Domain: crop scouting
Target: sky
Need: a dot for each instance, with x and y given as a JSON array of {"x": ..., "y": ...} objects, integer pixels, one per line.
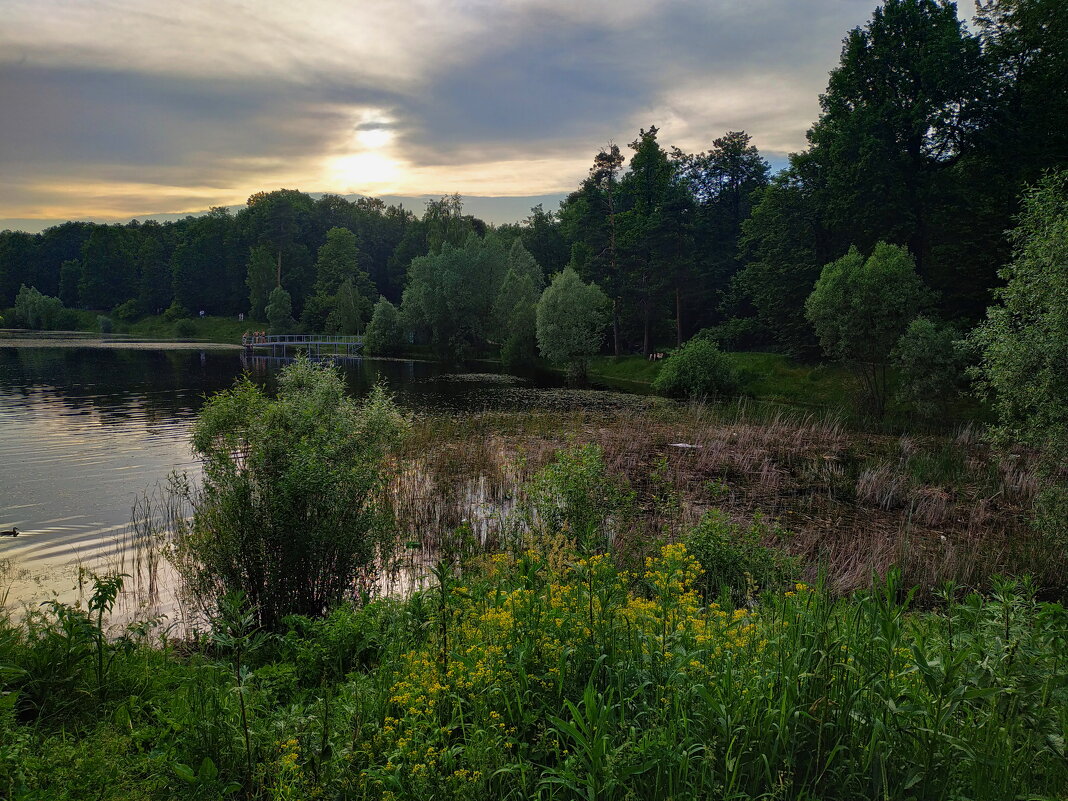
[{"x": 116, "y": 109}]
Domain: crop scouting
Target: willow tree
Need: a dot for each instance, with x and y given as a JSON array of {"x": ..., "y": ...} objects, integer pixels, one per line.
[
  {"x": 860, "y": 307},
  {"x": 1023, "y": 345},
  {"x": 290, "y": 509},
  {"x": 571, "y": 320}
]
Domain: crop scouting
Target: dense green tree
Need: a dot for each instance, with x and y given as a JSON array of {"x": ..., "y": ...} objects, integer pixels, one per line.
[
  {"x": 155, "y": 285},
  {"x": 722, "y": 182},
  {"x": 54, "y": 246},
  {"x": 521, "y": 268},
  {"x": 514, "y": 310},
  {"x": 290, "y": 508},
  {"x": 589, "y": 220},
  {"x": 36, "y": 310},
  {"x": 384, "y": 334},
  {"x": 571, "y": 319},
  {"x": 1023, "y": 344},
  {"x": 70, "y": 273},
  {"x": 543, "y": 238},
  {"x": 109, "y": 272},
  {"x": 652, "y": 230},
  {"x": 261, "y": 279},
  {"x": 450, "y": 295},
  {"x": 1025, "y": 44},
  {"x": 284, "y": 220},
  {"x": 338, "y": 261},
  {"x": 317, "y": 310},
  {"x": 350, "y": 310},
  {"x": 930, "y": 367},
  {"x": 894, "y": 117},
  {"x": 207, "y": 272},
  {"x": 780, "y": 244},
  {"x": 445, "y": 223},
  {"x": 859, "y": 309},
  {"x": 280, "y": 312},
  {"x": 1021, "y": 130},
  {"x": 18, "y": 251}
]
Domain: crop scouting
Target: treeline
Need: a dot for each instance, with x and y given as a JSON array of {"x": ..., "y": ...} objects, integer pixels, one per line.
[{"x": 929, "y": 133}]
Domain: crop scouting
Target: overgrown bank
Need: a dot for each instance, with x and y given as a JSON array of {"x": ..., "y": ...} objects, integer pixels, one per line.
[
  {"x": 635, "y": 599},
  {"x": 550, "y": 673}
]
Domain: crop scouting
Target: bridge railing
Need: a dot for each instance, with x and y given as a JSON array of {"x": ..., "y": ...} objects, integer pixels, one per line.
[{"x": 301, "y": 339}]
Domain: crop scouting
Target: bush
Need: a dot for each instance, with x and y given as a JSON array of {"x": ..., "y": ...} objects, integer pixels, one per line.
[
  {"x": 696, "y": 370},
  {"x": 929, "y": 366},
  {"x": 290, "y": 510},
  {"x": 105, "y": 324},
  {"x": 36, "y": 310},
  {"x": 128, "y": 312},
  {"x": 574, "y": 494},
  {"x": 735, "y": 559},
  {"x": 1023, "y": 347},
  {"x": 383, "y": 332},
  {"x": 185, "y": 328},
  {"x": 176, "y": 311}
]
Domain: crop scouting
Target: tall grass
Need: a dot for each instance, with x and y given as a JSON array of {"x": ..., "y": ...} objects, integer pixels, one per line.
[
  {"x": 941, "y": 507},
  {"x": 556, "y": 675}
]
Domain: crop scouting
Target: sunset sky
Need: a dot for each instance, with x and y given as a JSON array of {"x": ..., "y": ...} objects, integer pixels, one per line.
[{"x": 116, "y": 109}]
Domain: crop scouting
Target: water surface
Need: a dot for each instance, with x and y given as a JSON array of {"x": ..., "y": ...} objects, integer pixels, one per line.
[{"x": 85, "y": 430}]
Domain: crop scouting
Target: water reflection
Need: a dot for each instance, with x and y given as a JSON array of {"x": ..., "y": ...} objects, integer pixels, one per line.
[{"x": 85, "y": 431}]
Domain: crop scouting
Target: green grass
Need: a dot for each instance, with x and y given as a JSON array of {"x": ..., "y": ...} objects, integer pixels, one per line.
[
  {"x": 212, "y": 329},
  {"x": 631, "y": 369},
  {"x": 551, "y": 675},
  {"x": 764, "y": 376},
  {"x": 774, "y": 377}
]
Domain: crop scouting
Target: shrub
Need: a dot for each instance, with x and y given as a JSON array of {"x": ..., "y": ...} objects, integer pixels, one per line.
[
  {"x": 1023, "y": 347},
  {"x": 105, "y": 324},
  {"x": 36, "y": 310},
  {"x": 290, "y": 510},
  {"x": 128, "y": 311},
  {"x": 929, "y": 366},
  {"x": 696, "y": 370},
  {"x": 176, "y": 311},
  {"x": 384, "y": 331},
  {"x": 185, "y": 328},
  {"x": 575, "y": 495},
  {"x": 735, "y": 559}
]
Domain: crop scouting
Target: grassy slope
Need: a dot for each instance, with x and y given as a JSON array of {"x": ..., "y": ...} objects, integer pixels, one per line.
[
  {"x": 764, "y": 376},
  {"x": 214, "y": 329}
]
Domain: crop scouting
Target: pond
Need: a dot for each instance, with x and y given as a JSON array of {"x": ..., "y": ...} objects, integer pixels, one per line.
[{"x": 86, "y": 427}]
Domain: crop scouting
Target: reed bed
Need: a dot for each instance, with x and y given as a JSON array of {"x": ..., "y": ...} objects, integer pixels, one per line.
[{"x": 942, "y": 508}]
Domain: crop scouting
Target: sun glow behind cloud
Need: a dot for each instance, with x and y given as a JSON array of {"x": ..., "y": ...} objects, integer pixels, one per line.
[{"x": 137, "y": 107}]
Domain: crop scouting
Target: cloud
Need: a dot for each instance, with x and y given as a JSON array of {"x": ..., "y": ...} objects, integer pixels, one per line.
[{"x": 132, "y": 107}]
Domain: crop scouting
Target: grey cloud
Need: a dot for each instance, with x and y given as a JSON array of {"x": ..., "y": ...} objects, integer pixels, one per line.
[
  {"x": 471, "y": 84},
  {"x": 150, "y": 120}
]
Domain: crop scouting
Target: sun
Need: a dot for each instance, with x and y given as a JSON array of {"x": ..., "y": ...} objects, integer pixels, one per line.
[
  {"x": 364, "y": 173},
  {"x": 374, "y": 138}
]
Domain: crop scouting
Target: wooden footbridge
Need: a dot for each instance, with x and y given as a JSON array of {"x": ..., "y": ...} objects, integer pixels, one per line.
[{"x": 314, "y": 345}]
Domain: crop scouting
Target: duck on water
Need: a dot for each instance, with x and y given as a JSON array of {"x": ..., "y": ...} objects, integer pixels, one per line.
[{"x": 10, "y": 532}]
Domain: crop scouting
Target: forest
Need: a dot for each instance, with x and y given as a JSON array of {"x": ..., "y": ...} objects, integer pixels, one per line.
[{"x": 930, "y": 132}]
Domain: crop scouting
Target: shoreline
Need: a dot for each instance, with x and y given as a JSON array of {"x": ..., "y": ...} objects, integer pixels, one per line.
[{"x": 15, "y": 338}]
